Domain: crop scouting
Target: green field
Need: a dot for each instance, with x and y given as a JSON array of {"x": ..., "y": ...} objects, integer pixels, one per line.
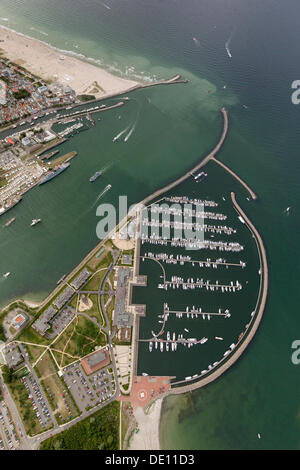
[
  {"x": 94, "y": 311},
  {"x": 78, "y": 340},
  {"x": 98, "y": 432}
]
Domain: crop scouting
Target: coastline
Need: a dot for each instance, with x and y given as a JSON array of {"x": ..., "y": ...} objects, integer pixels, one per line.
[
  {"x": 149, "y": 426},
  {"x": 52, "y": 65}
]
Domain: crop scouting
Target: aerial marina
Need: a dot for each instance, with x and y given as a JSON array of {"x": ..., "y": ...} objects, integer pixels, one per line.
[
  {"x": 204, "y": 272},
  {"x": 184, "y": 282},
  {"x": 149, "y": 290}
]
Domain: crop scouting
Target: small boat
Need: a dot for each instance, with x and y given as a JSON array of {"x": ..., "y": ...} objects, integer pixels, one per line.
[
  {"x": 144, "y": 374},
  {"x": 6, "y": 275},
  {"x": 203, "y": 340},
  {"x": 219, "y": 338},
  {"x": 10, "y": 222},
  {"x": 34, "y": 222},
  {"x": 185, "y": 329},
  {"x": 95, "y": 176}
]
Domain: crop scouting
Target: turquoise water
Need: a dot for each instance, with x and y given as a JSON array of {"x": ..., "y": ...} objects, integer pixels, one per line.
[{"x": 260, "y": 394}]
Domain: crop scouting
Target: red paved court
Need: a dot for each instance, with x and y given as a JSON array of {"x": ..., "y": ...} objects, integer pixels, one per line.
[{"x": 144, "y": 389}]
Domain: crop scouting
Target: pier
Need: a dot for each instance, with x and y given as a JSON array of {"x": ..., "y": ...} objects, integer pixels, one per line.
[
  {"x": 169, "y": 259},
  {"x": 257, "y": 315},
  {"x": 240, "y": 180},
  {"x": 235, "y": 350}
]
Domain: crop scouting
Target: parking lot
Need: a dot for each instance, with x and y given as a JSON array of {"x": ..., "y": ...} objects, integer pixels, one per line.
[
  {"x": 9, "y": 439},
  {"x": 88, "y": 391},
  {"x": 39, "y": 403}
]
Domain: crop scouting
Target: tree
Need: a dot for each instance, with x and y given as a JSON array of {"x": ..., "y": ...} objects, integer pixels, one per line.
[{"x": 7, "y": 374}]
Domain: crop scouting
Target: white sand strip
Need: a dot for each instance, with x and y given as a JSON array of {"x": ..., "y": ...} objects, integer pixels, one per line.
[
  {"x": 148, "y": 436},
  {"x": 54, "y": 66}
]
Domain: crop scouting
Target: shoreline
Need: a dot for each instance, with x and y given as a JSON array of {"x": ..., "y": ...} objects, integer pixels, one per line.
[
  {"x": 148, "y": 437},
  {"x": 42, "y": 59}
]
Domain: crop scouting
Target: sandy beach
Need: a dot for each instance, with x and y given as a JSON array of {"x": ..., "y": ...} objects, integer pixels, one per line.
[
  {"x": 148, "y": 436},
  {"x": 55, "y": 66}
]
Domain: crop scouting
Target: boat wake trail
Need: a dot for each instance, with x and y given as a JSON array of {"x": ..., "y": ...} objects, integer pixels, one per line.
[
  {"x": 106, "y": 6},
  {"x": 117, "y": 137},
  {"x": 227, "y": 44},
  {"x": 107, "y": 167},
  {"x": 134, "y": 126},
  {"x": 130, "y": 132},
  {"x": 108, "y": 187}
]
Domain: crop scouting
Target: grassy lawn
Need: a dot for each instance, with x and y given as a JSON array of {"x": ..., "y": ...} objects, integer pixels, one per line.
[
  {"x": 95, "y": 281},
  {"x": 109, "y": 311},
  {"x": 103, "y": 261},
  {"x": 34, "y": 352},
  {"x": 80, "y": 339},
  {"x": 31, "y": 336},
  {"x": 74, "y": 302},
  {"x": 94, "y": 312}
]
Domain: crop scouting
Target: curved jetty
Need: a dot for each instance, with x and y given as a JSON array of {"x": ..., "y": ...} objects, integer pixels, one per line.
[
  {"x": 236, "y": 350},
  {"x": 240, "y": 180},
  {"x": 203, "y": 162}
]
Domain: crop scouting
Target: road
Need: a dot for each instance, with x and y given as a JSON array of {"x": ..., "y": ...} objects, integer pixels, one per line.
[
  {"x": 36, "y": 441},
  {"x": 31, "y": 443}
]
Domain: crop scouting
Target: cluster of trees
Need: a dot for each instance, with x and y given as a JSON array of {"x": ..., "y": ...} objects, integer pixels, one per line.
[
  {"x": 86, "y": 97},
  {"x": 19, "y": 95},
  {"x": 7, "y": 374},
  {"x": 2, "y": 335},
  {"x": 98, "y": 432}
]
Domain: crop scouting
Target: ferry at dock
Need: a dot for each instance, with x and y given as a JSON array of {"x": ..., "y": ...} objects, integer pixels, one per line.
[{"x": 57, "y": 171}]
